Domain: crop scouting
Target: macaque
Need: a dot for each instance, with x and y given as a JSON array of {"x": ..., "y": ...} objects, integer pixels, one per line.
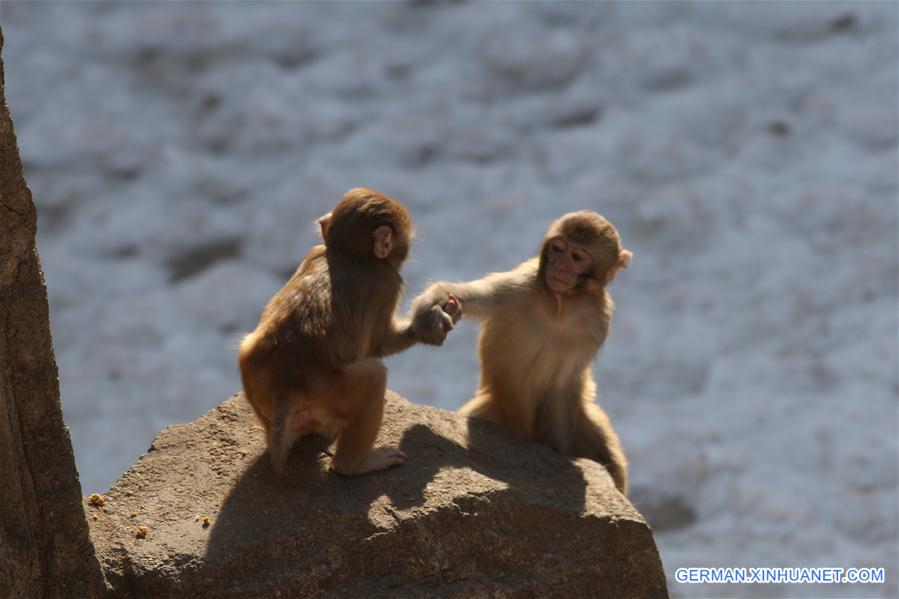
[
  {"x": 313, "y": 366},
  {"x": 542, "y": 324}
]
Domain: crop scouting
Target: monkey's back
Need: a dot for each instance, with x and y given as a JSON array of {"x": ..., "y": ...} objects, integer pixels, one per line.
[{"x": 322, "y": 316}]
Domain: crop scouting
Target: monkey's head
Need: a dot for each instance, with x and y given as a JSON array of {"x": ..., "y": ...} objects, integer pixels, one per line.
[
  {"x": 581, "y": 251},
  {"x": 367, "y": 224}
]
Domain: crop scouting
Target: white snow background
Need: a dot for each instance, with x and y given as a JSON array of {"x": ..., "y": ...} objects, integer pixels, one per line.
[{"x": 178, "y": 154}]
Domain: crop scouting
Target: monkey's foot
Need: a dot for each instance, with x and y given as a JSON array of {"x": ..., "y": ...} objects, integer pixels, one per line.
[{"x": 380, "y": 458}]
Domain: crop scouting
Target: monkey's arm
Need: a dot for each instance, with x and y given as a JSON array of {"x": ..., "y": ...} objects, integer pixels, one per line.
[
  {"x": 480, "y": 297},
  {"x": 398, "y": 337},
  {"x": 428, "y": 326}
]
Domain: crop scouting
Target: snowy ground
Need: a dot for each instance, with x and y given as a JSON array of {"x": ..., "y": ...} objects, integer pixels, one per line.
[{"x": 178, "y": 154}]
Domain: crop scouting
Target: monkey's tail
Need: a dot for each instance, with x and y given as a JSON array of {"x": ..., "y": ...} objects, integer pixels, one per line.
[
  {"x": 280, "y": 436},
  {"x": 248, "y": 365}
]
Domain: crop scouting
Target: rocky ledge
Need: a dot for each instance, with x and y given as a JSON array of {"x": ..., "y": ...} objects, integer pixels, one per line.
[{"x": 474, "y": 512}]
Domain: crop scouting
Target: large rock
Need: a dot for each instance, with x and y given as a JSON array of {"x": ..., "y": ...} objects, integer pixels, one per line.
[
  {"x": 474, "y": 512},
  {"x": 44, "y": 546}
]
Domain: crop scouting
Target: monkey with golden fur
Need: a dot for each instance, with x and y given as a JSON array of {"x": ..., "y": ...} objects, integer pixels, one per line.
[
  {"x": 542, "y": 324},
  {"x": 313, "y": 366}
]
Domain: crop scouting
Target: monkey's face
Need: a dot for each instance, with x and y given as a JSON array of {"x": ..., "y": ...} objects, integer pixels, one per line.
[{"x": 566, "y": 262}]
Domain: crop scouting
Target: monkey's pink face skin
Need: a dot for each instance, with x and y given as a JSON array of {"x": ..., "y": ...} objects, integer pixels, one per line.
[{"x": 565, "y": 262}]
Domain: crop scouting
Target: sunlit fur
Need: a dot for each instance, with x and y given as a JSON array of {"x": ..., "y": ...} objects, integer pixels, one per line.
[
  {"x": 312, "y": 365},
  {"x": 536, "y": 347}
]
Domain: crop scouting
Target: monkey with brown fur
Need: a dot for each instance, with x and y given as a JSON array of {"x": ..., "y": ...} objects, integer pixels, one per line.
[
  {"x": 312, "y": 366},
  {"x": 542, "y": 324}
]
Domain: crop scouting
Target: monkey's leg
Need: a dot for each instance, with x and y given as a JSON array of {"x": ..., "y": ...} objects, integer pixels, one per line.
[
  {"x": 481, "y": 406},
  {"x": 365, "y": 382},
  {"x": 496, "y": 401},
  {"x": 594, "y": 438}
]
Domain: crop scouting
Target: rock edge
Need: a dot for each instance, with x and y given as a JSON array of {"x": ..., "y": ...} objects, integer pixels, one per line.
[{"x": 474, "y": 512}]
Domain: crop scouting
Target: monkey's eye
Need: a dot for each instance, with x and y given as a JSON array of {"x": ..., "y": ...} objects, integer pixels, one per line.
[
  {"x": 557, "y": 247},
  {"x": 580, "y": 257}
]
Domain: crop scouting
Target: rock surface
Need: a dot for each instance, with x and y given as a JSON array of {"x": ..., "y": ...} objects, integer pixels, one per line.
[
  {"x": 44, "y": 546},
  {"x": 474, "y": 512}
]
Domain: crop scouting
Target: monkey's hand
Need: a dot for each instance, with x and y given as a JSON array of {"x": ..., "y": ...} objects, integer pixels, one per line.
[
  {"x": 433, "y": 315},
  {"x": 452, "y": 308}
]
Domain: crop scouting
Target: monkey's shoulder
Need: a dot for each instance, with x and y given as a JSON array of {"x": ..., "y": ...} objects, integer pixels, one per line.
[
  {"x": 525, "y": 274},
  {"x": 313, "y": 261},
  {"x": 301, "y": 306},
  {"x": 509, "y": 289}
]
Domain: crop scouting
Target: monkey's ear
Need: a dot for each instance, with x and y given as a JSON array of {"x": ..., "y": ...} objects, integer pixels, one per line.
[
  {"x": 323, "y": 223},
  {"x": 383, "y": 237},
  {"x": 624, "y": 258}
]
